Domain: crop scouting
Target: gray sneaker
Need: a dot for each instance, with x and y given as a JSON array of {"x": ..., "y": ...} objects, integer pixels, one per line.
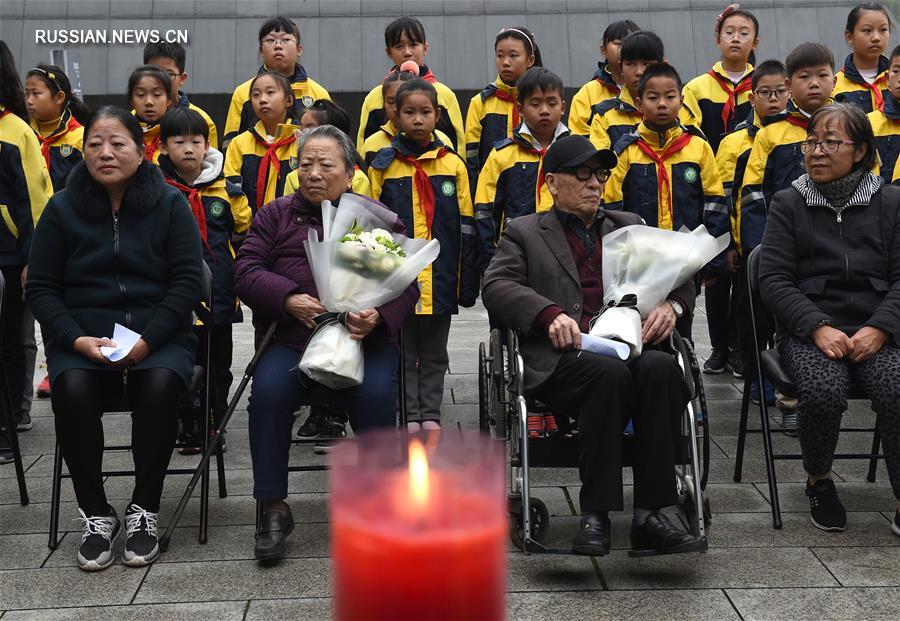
[
  {"x": 98, "y": 539},
  {"x": 142, "y": 544},
  {"x": 789, "y": 422},
  {"x": 23, "y": 421}
]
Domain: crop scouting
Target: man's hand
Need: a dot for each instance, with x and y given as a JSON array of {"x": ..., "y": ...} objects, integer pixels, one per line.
[
  {"x": 867, "y": 342},
  {"x": 732, "y": 260},
  {"x": 361, "y": 323},
  {"x": 659, "y": 324},
  {"x": 833, "y": 343},
  {"x": 303, "y": 308},
  {"x": 564, "y": 333},
  {"x": 89, "y": 347}
]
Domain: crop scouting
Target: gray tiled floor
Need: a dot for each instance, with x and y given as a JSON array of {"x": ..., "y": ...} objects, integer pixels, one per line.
[{"x": 750, "y": 572}]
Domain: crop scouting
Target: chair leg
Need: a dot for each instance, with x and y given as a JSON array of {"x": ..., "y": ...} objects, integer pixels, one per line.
[
  {"x": 204, "y": 480},
  {"x": 14, "y": 441},
  {"x": 53, "y": 541},
  {"x": 770, "y": 460},
  {"x": 873, "y": 461},
  {"x": 220, "y": 471},
  {"x": 742, "y": 430}
]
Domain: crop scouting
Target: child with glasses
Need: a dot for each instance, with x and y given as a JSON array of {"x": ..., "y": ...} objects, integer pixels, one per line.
[
  {"x": 886, "y": 122},
  {"x": 281, "y": 50}
]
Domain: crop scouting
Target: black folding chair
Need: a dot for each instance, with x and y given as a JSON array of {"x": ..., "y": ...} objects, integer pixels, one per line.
[
  {"x": 767, "y": 366},
  {"x": 119, "y": 403},
  {"x": 9, "y": 415}
]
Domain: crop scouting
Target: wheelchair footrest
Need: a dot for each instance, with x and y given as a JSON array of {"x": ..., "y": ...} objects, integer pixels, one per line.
[{"x": 701, "y": 547}]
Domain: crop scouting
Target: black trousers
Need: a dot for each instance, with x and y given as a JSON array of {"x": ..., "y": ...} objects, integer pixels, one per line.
[
  {"x": 12, "y": 353},
  {"x": 80, "y": 396},
  {"x": 220, "y": 368},
  {"x": 721, "y": 311},
  {"x": 603, "y": 394}
]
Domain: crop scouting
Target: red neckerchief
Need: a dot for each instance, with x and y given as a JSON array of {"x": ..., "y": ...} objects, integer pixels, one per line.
[
  {"x": 151, "y": 147},
  {"x": 52, "y": 139},
  {"x": 732, "y": 90},
  {"x": 269, "y": 159},
  {"x": 798, "y": 121},
  {"x": 504, "y": 96},
  {"x": 876, "y": 90},
  {"x": 196, "y": 203},
  {"x": 540, "y": 180},
  {"x": 662, "y": 177},
  {"x": 423, "y": 185}
]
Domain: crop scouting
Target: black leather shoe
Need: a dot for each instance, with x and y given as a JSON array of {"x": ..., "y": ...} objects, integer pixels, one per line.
[
  {"x": 274, "y": 528},
  {"x": 657, "y": 535},
  {"x": 593, "y": 537}
]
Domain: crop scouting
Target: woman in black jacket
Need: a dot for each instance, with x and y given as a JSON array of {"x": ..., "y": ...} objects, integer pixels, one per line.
[
  {"x": 117, "y": 246},
  {"x": 830, "y": 273}
]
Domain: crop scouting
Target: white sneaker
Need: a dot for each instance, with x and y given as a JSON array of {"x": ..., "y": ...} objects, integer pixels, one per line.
[
  {"x": 142, "y": 543},
  {"x": 97, "y": 541}
]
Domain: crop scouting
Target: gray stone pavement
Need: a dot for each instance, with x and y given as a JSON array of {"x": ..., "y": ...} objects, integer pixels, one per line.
[{"x": 750, "y": 572}]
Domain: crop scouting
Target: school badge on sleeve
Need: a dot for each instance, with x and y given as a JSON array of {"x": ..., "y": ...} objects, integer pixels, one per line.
[
  {"x": 448, "y": 188},
  {"x": 690, "y": 174},
  {"x": 293, "y": 162},
  {"x": 65, "y": 150},
  {"x": 217, "y": 209},
  {"x": 307, "y": 101}
]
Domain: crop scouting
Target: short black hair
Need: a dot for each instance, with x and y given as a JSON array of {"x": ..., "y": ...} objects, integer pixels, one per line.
[
  {"x": 765, "y": 69},
  {"x": 895, "y": 52},
  {"x": 151, "y": 71},
  {"x": 283, "y": 83},
  {"x": 857, "y": 125},
  {"x": 405, "y": 25},
  {"x": 329, "y": 113},
  {"x": 128, "y": 120},
  {"x": 856, "y": 12},
  {"x": 538, "y": 78},
  {"x": 642, "y": 45},
  {"x": 658, "y": 70},
  {"x": 413, "y": 86},
  {"x": 278, "y": 24},
  {"x": 617, "y": 31},
  {"x": 164, "y": 49},
  {"x": 182, "y": 121},
  {"x": 806, "y": 55}
]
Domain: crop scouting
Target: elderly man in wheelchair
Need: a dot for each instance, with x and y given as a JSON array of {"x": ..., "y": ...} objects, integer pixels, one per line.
[{"x": 545, "y": 281}]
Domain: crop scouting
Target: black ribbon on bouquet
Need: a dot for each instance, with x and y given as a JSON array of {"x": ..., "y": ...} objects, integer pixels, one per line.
[
  {"x": 322, "y": 320},
  {"x": 627, "y": 301}
]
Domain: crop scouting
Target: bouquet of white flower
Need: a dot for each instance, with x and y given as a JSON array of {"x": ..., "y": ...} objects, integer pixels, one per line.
[
  {"x": 359, "y": 264},
  {"x": 647, "y": 263}
]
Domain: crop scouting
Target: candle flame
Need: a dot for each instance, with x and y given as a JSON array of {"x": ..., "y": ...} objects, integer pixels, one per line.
[{"x": 418, "y": 473}]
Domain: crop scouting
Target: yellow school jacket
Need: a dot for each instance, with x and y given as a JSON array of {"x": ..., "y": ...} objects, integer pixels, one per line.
[
  {"x": 717, "y": 104},
  {"x": 613, "y": 118},
  {"x": 851, "y": 87},
  {"x": 240, "y": 113},
  {"x": 246, "y": 154},
  {"x": 886, "y": 127},
  {"x": 490, "y": 118},
  {"x": 151, "y": 141},
  {"x": 61, "y": 148},
  {"x": 359, "y": 185},
  {"x": 382, "y": 138},
  {"x": 372, "y": 116},
  {"x": 452, "y": 279},
  {"x": 25, "y": 187},
  {"x": 601, "y": 87}
]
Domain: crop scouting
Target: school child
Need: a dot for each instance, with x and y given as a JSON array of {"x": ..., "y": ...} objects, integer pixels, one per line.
[
  {"x": 172, "y": 58},
  {"x": 492, "y": 113},
  {"x": 281, "y": 50},
  {"x": 426, "y": 184},
  {"x": 613, "y": 118},
  {"x": 511, "y": 184},
  {"x": 25, "y": 188},
  {"x": 404, "y": 40},
  {"x": 326, "y": 112},
  {"x": 886, "y": 122},
  {"x": 190, "y": 164},
  {"x": 718, "y": 99},
  {"x": 667, "y": 172},
  {"x": 775, "y": 160},
  {"x": 606, "y": 81},
  {"x": 863, "y": 79},
  {"x": 150, "y": 97},
  {"x": 260, "y": 158},
  {"x": 56, "y": 116},
  {"x": 382, "y": 138}
]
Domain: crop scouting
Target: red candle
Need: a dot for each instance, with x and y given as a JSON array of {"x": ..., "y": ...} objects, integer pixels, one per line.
[{"x": 419, "y": 537}]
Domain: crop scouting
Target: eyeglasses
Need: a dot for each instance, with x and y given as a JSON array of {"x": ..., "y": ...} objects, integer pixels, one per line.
[
  {"x": 740, "y": 35},
  {"x": 284, "y": 42},
  {"x": 828, "y": 146},
  {"x": 778, "y": 93},
  {"x": 583, "y": 173}
]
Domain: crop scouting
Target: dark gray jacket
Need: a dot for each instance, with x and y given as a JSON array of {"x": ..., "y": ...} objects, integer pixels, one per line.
[
  {"x": 821, "y": 263},
  {"x": 532, "y": 269}
]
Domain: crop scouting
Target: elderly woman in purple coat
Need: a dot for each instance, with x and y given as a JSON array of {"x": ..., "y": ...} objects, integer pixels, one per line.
[{"x": 273, "y": 277}]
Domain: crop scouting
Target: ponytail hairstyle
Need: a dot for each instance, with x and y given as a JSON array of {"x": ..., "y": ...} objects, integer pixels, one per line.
[
  {"x": 58, "y": 82},
  {"x": 735, "y": 10},
  {"x": 856, "y": 12},
  {"x": 526, "y": 37},
  {"x": 12, "y": 96},
  {"x": 149, "y": 71}
]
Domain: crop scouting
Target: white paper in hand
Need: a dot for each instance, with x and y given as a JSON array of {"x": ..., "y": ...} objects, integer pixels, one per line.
[
  {"x": 124, "y": 340},
  {"x": 605, "y": 347}
]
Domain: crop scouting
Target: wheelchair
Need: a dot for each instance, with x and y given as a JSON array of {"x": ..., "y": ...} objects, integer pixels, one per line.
[{"x": 503, "y": 412}]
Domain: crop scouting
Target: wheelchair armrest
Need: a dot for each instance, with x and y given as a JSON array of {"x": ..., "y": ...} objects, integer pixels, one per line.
[{"x": 772, "y": 368}]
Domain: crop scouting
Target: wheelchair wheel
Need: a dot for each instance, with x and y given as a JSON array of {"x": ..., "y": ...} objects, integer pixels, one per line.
[
  {"x": 497, "y": 386},
  {"x": 686, "y": 504},
  {"x": 483, "y": 390},
  {"x": 540, "y": 521}
]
